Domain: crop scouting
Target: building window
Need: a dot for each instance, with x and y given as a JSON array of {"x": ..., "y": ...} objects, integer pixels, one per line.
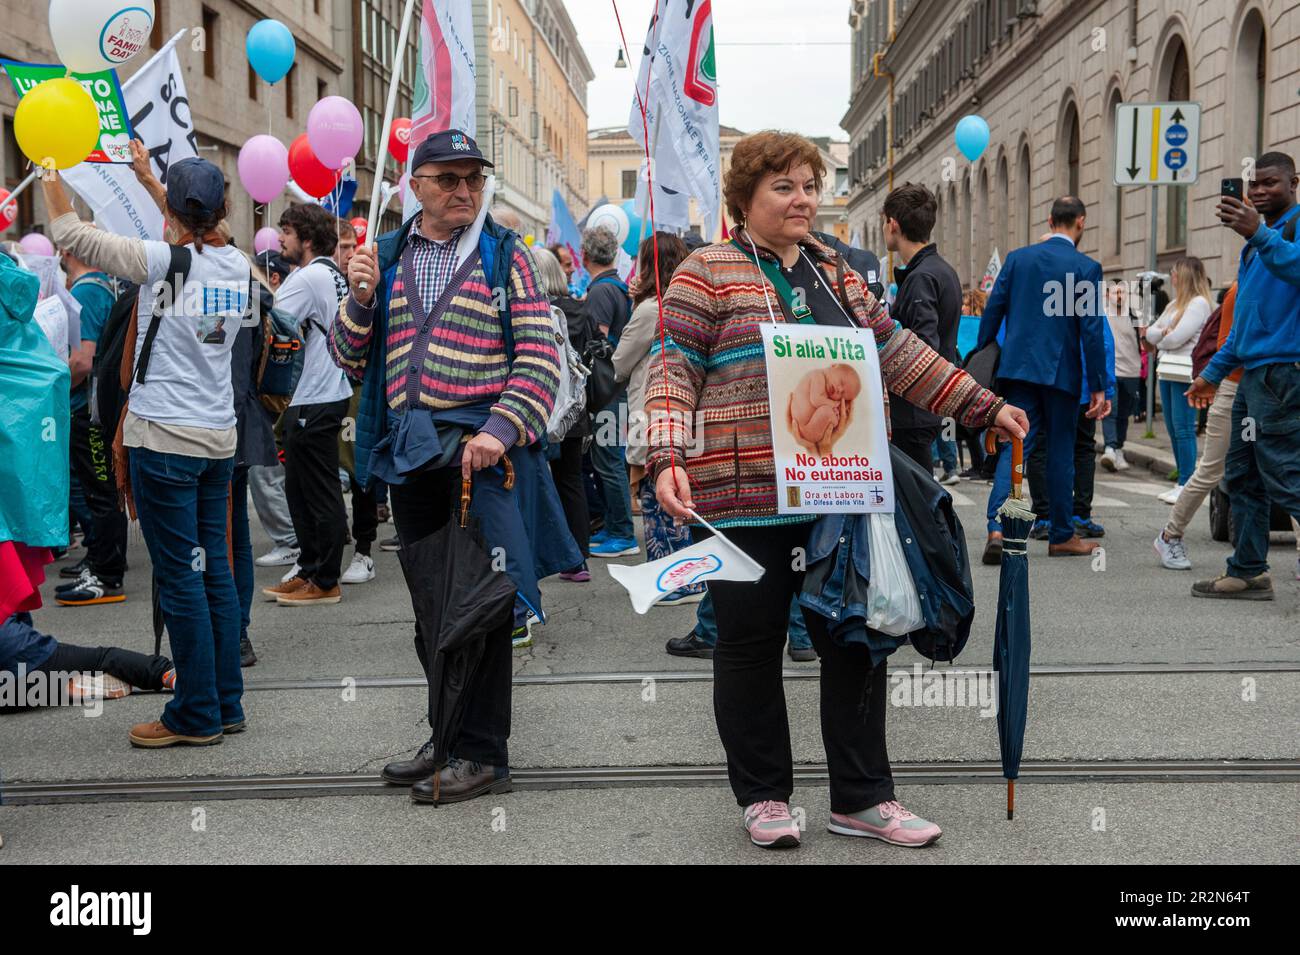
[
  {"x": 1179, "y": 89},
  {"x": 629, "y": 183},
  {"x": 1001, "y": 241},
  {"x": 290, "y": 90},
  {"x": 156, "y": 34},
  {"x": 1249, "y": 86},
  {"x": 322, "y": 90},
  {"x": 209, "y": 43},
  {"x": 1067, "y": 178},
  {"x": 1024, "y": 201},
  {"x": 1116, "y": 244}
]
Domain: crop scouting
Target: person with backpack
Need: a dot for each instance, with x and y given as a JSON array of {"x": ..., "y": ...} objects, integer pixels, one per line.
[
  {"x": 311, "y": 295},
  {"x": 98, "y": 577},
  {"x": 1263, "y": 461},
  {"x": 451, "y": 337},
  {"x": 178, "y": 429},
  {"x": 610, "y": 307}
]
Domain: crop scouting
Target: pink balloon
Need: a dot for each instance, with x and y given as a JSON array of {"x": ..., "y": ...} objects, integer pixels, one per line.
[
  {"x": 266, "y": 240},
  {"x": 335, "y": 131},
  {"x": 264, "y": 167},
  {"x": 403, "y": 185},
  {"x": 33, "y": 243}
]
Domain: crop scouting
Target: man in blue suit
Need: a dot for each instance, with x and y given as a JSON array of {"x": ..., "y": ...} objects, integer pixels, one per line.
[{"x": 1046, "y": 310}]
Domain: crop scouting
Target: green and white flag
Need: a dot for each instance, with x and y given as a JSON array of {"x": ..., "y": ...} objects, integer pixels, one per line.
[{"x": 114, "y": 125}]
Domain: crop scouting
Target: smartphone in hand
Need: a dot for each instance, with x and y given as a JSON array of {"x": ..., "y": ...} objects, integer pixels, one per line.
[{"x": 1233, "y": 187}]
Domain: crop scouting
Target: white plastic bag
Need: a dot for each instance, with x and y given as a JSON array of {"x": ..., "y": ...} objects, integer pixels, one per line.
[{"x": 894, "y": 607}]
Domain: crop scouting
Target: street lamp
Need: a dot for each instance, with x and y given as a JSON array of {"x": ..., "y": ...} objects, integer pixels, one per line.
[{"x": 620, "y": 63}]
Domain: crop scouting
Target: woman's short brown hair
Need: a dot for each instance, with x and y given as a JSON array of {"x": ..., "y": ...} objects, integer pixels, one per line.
[{"x": 770, "y": 151}]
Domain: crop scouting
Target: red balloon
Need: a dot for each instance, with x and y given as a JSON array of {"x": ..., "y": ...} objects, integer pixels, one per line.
[
  {"x": 360, "y": 224},
  {"x": 8, "y": 210},
  {"x": 311, "y": 175},
  {"x": 399, "y": 140}
]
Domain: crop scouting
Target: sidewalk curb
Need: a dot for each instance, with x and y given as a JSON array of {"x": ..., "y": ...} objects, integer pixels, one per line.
[{"x": 1154, "y": 460}]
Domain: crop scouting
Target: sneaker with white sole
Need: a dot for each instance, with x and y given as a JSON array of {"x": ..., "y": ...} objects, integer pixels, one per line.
[
  {"x": 279, "y": 556},
  {"x": 1121, "y": 462},
  {"x": 1172, "y": 552},
  {"x": 1171, "y": 496},
  {"x": 615, "y": 547},
  {"x": 293, "y": 572},
  {"x": 360, "y": 571},
  {"x": 889, "y": 822},
  {"x": 770, "y": 825},
  {"x": 1108, "y": 459}
]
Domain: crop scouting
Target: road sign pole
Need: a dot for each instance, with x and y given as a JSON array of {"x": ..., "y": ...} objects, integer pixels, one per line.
[{"x": 1151, "y": 313}]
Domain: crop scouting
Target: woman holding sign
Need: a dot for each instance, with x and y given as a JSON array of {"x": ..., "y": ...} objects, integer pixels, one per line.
[{"x": 715, "y": 374}]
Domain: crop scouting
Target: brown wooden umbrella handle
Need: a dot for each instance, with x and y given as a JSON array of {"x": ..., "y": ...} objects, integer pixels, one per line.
[
  {"x": 466, "y": 494},
  {"x": 1017, "y": 459}
]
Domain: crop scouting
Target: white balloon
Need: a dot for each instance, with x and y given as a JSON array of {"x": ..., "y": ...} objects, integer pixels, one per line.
[
  {"x": 94, "y": 35},
  {"x": 612, "y": 218}
]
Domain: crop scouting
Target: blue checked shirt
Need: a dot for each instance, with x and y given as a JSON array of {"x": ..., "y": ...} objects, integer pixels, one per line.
[{"x": 435, "y": 262}]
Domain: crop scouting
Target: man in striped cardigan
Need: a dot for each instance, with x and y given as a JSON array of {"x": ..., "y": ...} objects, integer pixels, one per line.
[{"x": 452, "y": 338}]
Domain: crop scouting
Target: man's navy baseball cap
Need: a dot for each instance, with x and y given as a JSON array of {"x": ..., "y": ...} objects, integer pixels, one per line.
[
  {"x": 449, "y": 145},
  {"x": 195, "y": 186}
]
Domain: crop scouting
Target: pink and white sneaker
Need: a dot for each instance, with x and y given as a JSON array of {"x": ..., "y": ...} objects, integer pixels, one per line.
[
  {"x": 888, "y": 821},
  {"x": 770, "y": 825}
]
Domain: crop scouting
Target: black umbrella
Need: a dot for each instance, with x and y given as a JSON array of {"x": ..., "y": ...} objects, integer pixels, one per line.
[
  {"x": 458, "y": 598},
  {"x": 158, "y": 623},
  {"x": 1011, "y": 635}
]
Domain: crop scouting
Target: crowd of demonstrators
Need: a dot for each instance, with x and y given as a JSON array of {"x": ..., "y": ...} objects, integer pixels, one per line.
[
  {"x": 566, "y": 459},
  {"x": 1174, "y": 336},
  {"x": 311, "y": 296},
  {"x": 179, "y": 432},
  {"x": 1040, "y": 369},
  {"x": 927, "y": 303},
  {"x": 98, "y": 577},
  {"x": 565, "y": 259},
  {"x": 440, "y": 356},
  {"x": 1128, "y": 376},
  {"x": 663, "y": 535},
  {"x": 713, "y": 310},
  {"x": 1263, "y": 456},
  {"x": 609, "y": 307}
]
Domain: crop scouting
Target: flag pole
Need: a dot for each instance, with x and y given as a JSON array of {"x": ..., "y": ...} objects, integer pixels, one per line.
[{"x": 382, "y": 145}]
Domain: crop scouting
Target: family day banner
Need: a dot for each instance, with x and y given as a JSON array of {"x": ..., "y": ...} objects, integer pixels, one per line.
[
  {"x": 159, "y": 111},
  {"x": 828, "y": 420},
  {"x": 114, "y": 124}
]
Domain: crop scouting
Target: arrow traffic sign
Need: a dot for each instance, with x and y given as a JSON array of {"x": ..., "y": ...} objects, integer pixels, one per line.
[{"x": 1156, "y": 143}]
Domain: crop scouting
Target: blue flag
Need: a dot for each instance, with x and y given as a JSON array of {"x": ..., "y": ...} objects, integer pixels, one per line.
[{"x": 564, "y": 231}]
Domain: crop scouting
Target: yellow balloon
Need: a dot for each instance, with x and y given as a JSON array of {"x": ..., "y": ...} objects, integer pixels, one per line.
[
  {"x": 529, "y": 239},
  {"x": 57, "y": 124}
]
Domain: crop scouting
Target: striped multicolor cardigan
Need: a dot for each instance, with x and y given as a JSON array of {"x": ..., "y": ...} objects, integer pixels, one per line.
[
  {"x": 716, "y": 379},
  {"x": 465, "y": 360}
]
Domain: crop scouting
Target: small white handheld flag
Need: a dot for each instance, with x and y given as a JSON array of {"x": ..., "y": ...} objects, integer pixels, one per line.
[{"x": 714, "y": 559}]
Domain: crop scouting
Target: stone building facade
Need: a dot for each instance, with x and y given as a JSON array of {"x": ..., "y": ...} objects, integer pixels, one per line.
[{"x": 1047, "y": 75}]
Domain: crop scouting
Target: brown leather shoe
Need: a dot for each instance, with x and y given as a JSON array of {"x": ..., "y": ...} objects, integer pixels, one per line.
[
  {"x": 993, "y": 550},
  {"x": 156, "y": 735},
  {"x": 309, "y": 593},
  {"x": 290, "y": 586},
  {"x": 459, "y": 780},
  {"x": 1076, "y": 546}
]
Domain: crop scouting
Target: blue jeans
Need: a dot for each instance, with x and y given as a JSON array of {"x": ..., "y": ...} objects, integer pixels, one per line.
[
  {"x": 608, "y": 460},
  {"x": 1180, "y": 422},
  {"x": 1053, "y": 413},
  {"x": 946, "y": 452},
  {"x": 1266, "y": 469},
  {"x": 706, "y": 624},
  {"x": 181, "y": 502},
  {"x": 1114, "y": 427}
]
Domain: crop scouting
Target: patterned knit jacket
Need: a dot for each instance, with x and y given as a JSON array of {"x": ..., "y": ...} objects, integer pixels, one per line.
[
  {"x": 465, "y": 359},
  {"x": 713, "y": 378}
]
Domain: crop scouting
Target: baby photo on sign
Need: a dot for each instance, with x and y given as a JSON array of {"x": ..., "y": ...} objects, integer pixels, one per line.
[{"x": 821, "y": 407}]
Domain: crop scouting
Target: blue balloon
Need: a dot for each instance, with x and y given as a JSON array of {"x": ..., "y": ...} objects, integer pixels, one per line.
[
  {"x": 972, "y": 136},
  {"x": 632, "y": 244},
  {"x": 271, "y": 50}
]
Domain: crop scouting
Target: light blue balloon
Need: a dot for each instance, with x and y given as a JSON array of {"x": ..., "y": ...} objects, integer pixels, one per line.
[
  {"x": 271, "y": 50},
  {"x": 632, "y": 244},
  {"x": 972, "y": 136}
]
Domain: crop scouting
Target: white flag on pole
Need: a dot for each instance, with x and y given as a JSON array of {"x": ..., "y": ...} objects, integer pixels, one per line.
[
  {"x": 444, "y": 95},
  {"x": 160, "y": 114},
  {"x": 713, "y": 559},
  {"x": 681, "y": 115}
]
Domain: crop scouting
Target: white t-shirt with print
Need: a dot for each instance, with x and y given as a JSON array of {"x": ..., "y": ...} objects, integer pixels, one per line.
[
  {"x": 312, "y": 295},
  {"x": 188, "y": 379}
]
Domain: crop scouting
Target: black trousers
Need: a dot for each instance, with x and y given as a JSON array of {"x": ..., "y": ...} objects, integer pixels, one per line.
[
  {"x": 1085, "y": 469},
  {"x": 92, "y": 460},
  {"x": 365, "y": 517},
  {"x": 420, "y": 507},
  {"x": 917, "y": 444},
  {"x": 566, "y": 471},
  {"x": 749, "y": 694},
  {"x": 312, "y": 489},
  {"x": 143, "y": 670}
]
